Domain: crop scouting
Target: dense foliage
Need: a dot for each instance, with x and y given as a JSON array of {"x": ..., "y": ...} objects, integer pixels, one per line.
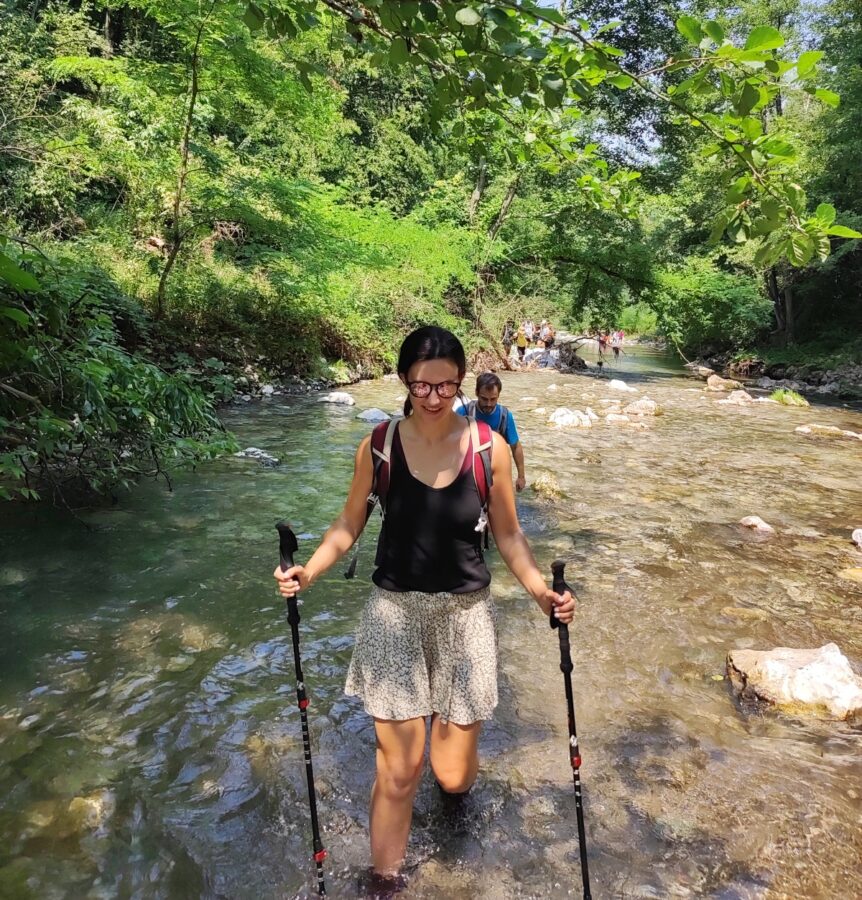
[{"x": 190, "y": 191}]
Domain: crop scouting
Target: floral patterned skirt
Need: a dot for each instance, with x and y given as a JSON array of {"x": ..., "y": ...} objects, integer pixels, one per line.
[{"x": 418, "y": 654}]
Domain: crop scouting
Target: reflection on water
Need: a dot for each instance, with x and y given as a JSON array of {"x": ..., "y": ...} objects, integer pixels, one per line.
[{"x": 149, "y": 742}]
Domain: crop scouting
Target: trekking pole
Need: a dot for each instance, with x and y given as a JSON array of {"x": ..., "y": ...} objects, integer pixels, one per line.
[
  {"x": 560, "y": 587},
  {"x": 287, "y": 547}
]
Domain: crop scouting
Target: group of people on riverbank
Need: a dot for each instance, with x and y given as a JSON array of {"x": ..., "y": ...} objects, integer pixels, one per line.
[{"x": 527, "y": 333}]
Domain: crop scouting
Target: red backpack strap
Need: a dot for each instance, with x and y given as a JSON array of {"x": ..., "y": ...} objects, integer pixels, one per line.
[{"x": 482, "y": 440}]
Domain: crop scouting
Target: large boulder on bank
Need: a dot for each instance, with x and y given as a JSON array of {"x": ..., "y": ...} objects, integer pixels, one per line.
[
  {"x": 808, "y": 681},
  {"x": 717, "y": 383}
]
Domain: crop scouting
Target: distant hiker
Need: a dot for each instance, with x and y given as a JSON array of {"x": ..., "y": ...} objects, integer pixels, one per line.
[
  {"x": 530, "y": 330},
  {"x": 431, "y": 585},
  {"x": 486, "y": 408},
  {"x": 521, "y": 342},
  {"x": 508, "y": 337},
  {"x": 616, "y": 343},
  {"x": 547, "y": 334},
  {"x": 603, "y": 343}
]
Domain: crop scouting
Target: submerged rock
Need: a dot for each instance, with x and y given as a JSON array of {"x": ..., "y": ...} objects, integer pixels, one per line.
[
  {"x": 828, "y": 431},
  {"x": 642, "y": 407},
  {"x": 264, "y": 458},
  {"x": 374, "y": 415},
  {"x": 798, "y": 681},
  {"x": 717, "y": 383},
  {"x": 851, "y": 575},
  {"x": 616, "y": 419},
  {"x": 546, "y": 486},
  {"x": 757, "y": 524},
  {"x": 337, "y": 397},
  {"x": 617, "y": 385}
]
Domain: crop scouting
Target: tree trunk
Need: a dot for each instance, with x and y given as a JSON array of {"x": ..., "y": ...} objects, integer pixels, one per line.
[
  {"x": 789, "y": 316},
  {"x": 504, "y": 207},
  {"x": 176, "y": 231},
  {"x": 476, "y": 196},
  {"x": 106, "y": 31}
]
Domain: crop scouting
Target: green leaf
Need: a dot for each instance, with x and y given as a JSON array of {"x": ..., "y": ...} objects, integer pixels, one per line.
[
  {"x": 828, "y": 97},
  {"x": 253, "y": 17},
  {"x": 843, "y": 231},
  {"x": 468, "y": 16},
  {"x": 690, "y": 29},
  {"x": 807, "y": 61},
  {"x": 513, "y": 83},
  {"x": 715, "y": 31},
  {"x": 764, "y": 37},
  {"x": 15, "y": 276},
  {"x": 16, "y": 315},
  {"x": 623, "y": 82},
  {"x": 800, "y": 249},
  {"x": 752, "y": 128},
  {"x": 398, "y": 51},
  {"x": 747, "y": 99},
  {"x": 825, "y": 212},
  {"x": 795, "y": 197}
]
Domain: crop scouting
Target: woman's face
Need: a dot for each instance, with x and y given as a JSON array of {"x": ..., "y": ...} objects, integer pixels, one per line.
[{"x": 432, "y": 371}]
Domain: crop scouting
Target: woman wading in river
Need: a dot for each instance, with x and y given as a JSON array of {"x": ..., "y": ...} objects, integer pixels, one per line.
[{"x": 427, "y": 644}]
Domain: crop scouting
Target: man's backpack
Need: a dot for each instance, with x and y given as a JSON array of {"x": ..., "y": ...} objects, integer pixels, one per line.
[{"x": 481, "y": 442}]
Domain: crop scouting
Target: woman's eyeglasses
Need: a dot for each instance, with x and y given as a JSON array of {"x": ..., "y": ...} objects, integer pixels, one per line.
[{"x": 446, "y": 390}]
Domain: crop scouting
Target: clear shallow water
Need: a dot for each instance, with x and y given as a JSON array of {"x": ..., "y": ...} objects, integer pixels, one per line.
[{"x": 149, "y": 741}]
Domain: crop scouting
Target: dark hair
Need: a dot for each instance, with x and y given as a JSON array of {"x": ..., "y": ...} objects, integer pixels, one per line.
[
  {"x": 426, "y": 343},
  {"x": 488, "y": 380}
]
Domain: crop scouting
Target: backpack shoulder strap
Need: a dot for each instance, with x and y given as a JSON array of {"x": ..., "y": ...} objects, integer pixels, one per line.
[
  {"x": 381, "y": 454},
  {"x": 471, "y": 409},
  {"x": 503, "y": 425},
  {"x": 482, "y": 442}
]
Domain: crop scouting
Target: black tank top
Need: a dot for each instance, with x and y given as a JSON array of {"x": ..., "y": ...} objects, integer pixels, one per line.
[{"x": 429, "y": 541}]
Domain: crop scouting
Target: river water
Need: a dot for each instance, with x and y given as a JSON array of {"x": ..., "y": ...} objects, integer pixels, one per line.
[{"x": 149, "y": 740}]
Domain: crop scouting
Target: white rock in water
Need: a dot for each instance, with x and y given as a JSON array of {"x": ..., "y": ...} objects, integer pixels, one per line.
[
  {"x": 267, "y": 390},
  {"x": 829, "y": 431},
  {"x": 374, "y": 415},
  {"x": 738, "y": 398},
  {"x": 802, "y": 680},
  {"x": 642, "y": 407},
  {"x": 717, "y": 383},
  {"x": 266, "y": 459},
  {"x": 392, "y": 376},
  {"x": 337, "y": 397},
  {"x": 614, "y": 417},
  {"x": 552, "y": 387},
  {"x": 757, "y": 524},
  {"x": 856, "y": 536},
  {"x": 569, "y": 418},
  {"x": 592, "y": 415},
  {"x": 617, "y": 385}
]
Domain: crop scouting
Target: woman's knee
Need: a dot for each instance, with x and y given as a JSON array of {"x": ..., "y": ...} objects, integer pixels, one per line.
[
  {"x": 398, "y": 777},
  {"x": 456, "y": 776}
]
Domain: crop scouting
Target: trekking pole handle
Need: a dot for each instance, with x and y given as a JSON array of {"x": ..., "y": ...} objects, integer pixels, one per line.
[
  {"x": 287, "y": 546},
  {"x": 560, "y": 587}
]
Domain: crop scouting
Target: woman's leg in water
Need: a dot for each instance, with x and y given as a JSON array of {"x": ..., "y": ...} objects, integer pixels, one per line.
[
  {"x": 400, "y": 758},
  {"x": 455, "y": 754}
]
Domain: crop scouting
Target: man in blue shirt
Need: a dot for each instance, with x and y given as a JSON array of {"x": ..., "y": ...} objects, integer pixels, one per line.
[{"x": 486, "y": 408}]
